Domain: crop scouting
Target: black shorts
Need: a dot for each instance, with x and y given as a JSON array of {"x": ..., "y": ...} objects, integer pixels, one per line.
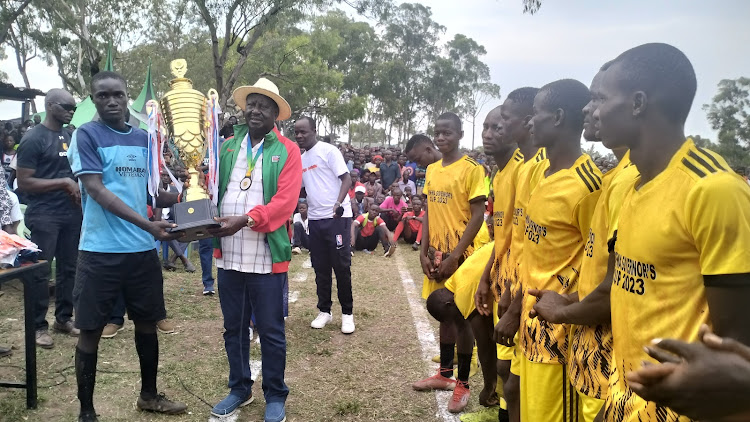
[{"x": 102, "y": 277}]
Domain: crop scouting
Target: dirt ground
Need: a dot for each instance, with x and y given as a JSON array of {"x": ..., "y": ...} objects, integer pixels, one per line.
[{"x": 366, "y": 376}]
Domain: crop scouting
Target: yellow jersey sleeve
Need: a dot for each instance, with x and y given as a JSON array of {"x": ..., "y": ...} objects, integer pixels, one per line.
[
  {"x": 584, "y": 211},
  {"x": 475, "y": 182},
  {"x": 718, "y": 216}
]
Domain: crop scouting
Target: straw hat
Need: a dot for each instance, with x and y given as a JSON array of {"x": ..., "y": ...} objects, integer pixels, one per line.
[{"x": 267, "y": 88}]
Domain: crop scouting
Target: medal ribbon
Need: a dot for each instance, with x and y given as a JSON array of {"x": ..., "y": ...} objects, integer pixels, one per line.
[{"x": 251, "y": 165}]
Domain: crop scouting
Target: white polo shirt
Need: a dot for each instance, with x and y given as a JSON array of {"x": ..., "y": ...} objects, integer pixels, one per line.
[{"x": 321, "y": 167}]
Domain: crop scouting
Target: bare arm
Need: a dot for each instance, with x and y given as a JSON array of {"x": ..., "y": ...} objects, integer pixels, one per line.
[
  {"x": 450, "y": 265},
  {"x": 110, "y": 202},
  {"x": 346, "y": 184},
  {"x": 593, "y": 310},
  {"x": 475, "y": 223},
  {"x": 353, "y": 237},
  {"x": 424, "y": 258},
  {"x": 729, "y": 293},
  {"x": 28, "y": 183},
  {"x": 483, "y": 298},
  {"x": 166, "y": 199}
]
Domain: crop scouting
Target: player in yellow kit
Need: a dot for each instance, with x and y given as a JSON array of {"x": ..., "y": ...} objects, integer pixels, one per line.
[
  {"x": 558, "y": 216},
  {"x": 456, "y": 194},
  {"x": 681, "y": 255},
  {"x": 591, "y": 341},
  {"x": 509, "y": 160},
  {"x": 516, "y": 113},
  {"x": 500, "y": 135}
]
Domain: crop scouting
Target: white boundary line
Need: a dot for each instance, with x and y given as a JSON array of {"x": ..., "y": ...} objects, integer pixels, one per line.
[{"x": 426, "y": 337}]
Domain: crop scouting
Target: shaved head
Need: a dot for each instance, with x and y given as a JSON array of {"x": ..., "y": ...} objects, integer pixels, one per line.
[
  {"x": 58, "y": 95},
  {"x": 60, "y": 106}
]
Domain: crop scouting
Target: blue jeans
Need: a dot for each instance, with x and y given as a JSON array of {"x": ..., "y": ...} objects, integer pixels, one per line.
[
  {"x": 242, "y": 295},
  {"x": 206, "y": 252}
]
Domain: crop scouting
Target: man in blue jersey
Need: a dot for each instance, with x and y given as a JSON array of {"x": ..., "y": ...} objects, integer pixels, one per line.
[{"x": 116, "y": 251}]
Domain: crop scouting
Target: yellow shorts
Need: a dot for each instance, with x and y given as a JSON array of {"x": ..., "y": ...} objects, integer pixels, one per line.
[
  {"x": 429, "y": 285},
  {"x": 503, "y": 352},
  {"x": 546, "y": 393},
  {"x": 588, "y": 407},
  {"x": 515, "y": 363},
  {"x": 465, "y": 281}
]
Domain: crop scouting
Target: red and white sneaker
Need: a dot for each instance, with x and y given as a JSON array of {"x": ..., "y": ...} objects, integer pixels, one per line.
[
  {"x": 435, "y": 382},
  {"x": 460, "y": 397}
]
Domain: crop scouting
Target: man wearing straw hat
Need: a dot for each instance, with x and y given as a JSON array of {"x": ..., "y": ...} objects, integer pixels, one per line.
[{"x": 260, "y": 175}]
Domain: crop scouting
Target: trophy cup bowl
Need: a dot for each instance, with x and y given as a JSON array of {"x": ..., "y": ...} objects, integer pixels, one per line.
[{"x": 184, "y": 112}]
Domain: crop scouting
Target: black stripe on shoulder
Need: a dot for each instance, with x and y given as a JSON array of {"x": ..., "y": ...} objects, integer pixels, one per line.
[
  {"x": 593, "y": 173},
  {"x": 693, "y": 168},
  {"x": 711, "y": 157},
  {"x": 471, "y": 160},
  {"x": 543, "y": 154},
  {"x": 517, "y": 158},
  {"x": 590, "y": 176},
  {"x": 585, "y": 181},
  {"x": 701, "y": 161}
]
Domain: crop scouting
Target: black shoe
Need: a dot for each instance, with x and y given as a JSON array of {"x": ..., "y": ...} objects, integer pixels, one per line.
[
  {"x": 502, "y": 416},
  {"x": 87, "y": 417},
  {"x": 5, "y": 351},
  {"x": 161, "y": 404},
  {"x": 170, "y": 266}
]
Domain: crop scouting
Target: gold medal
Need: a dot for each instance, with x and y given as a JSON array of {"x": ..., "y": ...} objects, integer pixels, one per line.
[{"x": 245, "y": 183}]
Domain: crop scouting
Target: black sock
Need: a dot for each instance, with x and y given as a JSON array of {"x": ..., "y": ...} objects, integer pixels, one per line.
[
  {"x": 446, "y": 359},
  {"x": 147, "y": 346},
  {"x": 502, "y": 415},
  {"x": 464, "y": 367},
  {"x": 86, "y": 377}
]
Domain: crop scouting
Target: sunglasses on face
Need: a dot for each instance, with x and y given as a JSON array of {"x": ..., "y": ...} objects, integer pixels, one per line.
[{"x": 67, "y": 107}]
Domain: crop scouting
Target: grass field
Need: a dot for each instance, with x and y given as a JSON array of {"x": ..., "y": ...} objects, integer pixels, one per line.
[{"x": 366, "y": 376}]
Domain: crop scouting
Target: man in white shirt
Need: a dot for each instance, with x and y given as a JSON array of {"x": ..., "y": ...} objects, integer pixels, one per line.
[
  {"x": 301, "y": 229},
  {"x": 259, "y": 183},
  {"x": 326, "y": 182}
]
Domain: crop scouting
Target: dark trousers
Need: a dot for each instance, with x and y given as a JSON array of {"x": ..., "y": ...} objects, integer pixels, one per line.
[
  {"x": 206, "y": 252},
  {"x": 390, "y": 220},
  {"x": 301, "y": 239},
  {"x": 330, "y": 249},
  {"x": 242, "y": 295},
  {"x": 370, "y": 242},
  {"x": 57, "y": 236}
]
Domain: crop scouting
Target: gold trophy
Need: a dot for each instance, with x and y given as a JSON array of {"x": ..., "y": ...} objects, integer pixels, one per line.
[{"x": 184, "y": 112}]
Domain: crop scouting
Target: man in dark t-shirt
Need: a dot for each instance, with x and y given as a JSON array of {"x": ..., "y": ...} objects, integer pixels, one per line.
[{"x": 53, "y": 212}]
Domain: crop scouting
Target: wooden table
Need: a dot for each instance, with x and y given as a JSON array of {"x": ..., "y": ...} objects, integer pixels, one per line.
[{"x": 26, "y": 274}]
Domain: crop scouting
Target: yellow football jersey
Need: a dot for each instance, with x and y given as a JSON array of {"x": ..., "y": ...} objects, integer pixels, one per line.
[
  {"x": 449, "y": 190},
  {"x": 504, "y": 186},
  {"x": 591, "y": 346},
  {"x": 691, "y": 220},
  {"x": 558, "y": 217},
  {"x": 526, "y": 181}
]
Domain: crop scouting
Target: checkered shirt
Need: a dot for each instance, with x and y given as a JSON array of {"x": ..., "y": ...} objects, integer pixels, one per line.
[{"x": 246, "y": 251}]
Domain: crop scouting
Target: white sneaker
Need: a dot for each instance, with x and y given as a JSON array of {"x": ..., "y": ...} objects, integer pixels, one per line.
[
  {"x": 296, "y": 250},
  {"x": 321, "y": 320},
  {"x": 347, "y": 324}
]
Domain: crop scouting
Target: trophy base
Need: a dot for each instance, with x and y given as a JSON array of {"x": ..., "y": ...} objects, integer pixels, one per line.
[{"x": 194, "y": 218}]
